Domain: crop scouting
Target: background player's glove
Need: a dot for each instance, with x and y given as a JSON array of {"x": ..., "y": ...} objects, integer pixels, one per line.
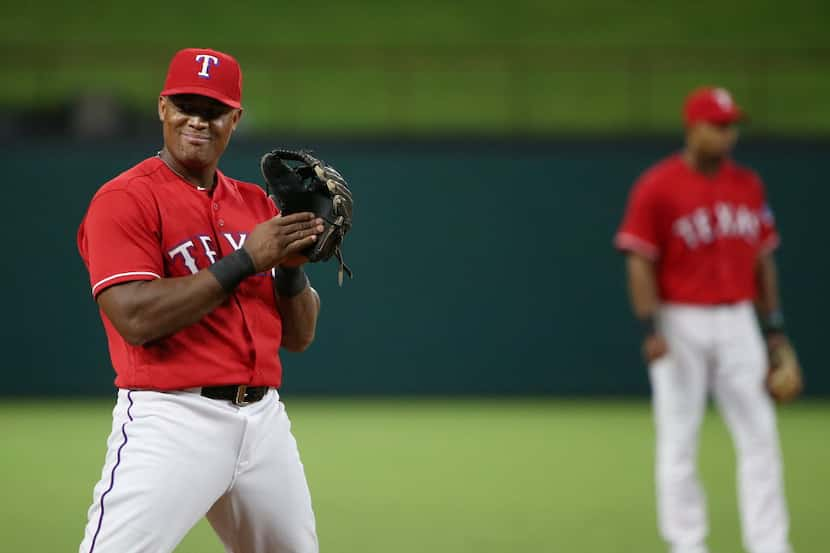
[
  {"x": 297, "y": 181},
  {"x": 784, "y": 377}
]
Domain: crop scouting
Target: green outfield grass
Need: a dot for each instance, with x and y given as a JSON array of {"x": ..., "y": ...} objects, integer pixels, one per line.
[
  {"x": 440, "y": 66},
  {"x": 435, "y": 475}
]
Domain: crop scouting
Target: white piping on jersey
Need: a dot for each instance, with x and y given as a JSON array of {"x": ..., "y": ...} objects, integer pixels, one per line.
[
  {"x": 134, "y": 273},
  {"x": 771, "y": 243},
  {"x": 628, "y": 241}
]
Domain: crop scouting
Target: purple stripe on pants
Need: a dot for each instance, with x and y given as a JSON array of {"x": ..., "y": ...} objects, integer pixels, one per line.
[{"x": 112, "y": 474}]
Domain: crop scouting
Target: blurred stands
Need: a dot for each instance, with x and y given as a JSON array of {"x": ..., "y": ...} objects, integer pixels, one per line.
[
  {"x": 468, "y": 66},
  {"x": 489, "y": 88}
]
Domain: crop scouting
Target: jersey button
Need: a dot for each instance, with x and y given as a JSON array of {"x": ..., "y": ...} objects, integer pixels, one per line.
[
  {"x": 215, "y": 206},
  {"x": 221, "y": 222}
]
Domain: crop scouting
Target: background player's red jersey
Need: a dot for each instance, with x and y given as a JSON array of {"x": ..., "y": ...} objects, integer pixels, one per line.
[
  {"x": 121, "y": 240},
  {"x": 704, "y": 233}
]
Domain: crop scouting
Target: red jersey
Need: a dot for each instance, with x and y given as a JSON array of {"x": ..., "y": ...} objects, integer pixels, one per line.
[
  {"x": 704, "y": 233},
  {"x": 149, "y": 223}
]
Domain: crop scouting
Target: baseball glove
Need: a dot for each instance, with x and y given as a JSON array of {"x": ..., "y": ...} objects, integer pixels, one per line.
[
  {"x": 297, "y": 181},
  {"x": 784, "y": 377}
]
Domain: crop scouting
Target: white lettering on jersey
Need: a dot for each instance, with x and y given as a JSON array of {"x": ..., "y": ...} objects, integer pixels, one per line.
[
  {"x": 207, "y": 61},
  {"x": 234, "y": 244},
  {"x": 209, "y": 252},
  {"x": 703, "y": 225},
  {"x": 184, "y": 251},
  {"x": 726, "y": 223},
  {"x": 683, "y": 227},
  {"x": 746, "y": 223}
]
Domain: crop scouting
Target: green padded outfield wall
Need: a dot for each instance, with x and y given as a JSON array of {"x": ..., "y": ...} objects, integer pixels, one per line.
[{"x": 481, "y": 267}]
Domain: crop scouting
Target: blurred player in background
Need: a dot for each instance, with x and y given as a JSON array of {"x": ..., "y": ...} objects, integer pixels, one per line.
[
  {"x": 199, "y": 285},
  {"x": 699, "y": 238}
]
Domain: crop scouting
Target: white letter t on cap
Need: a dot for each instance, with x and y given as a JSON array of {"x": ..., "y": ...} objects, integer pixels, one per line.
[{"x": 207, "y": 61}]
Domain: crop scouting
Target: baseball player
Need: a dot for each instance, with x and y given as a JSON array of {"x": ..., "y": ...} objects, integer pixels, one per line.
[
  {"x": 699, "y": 238},
  {"x": 199, "y": 284}
]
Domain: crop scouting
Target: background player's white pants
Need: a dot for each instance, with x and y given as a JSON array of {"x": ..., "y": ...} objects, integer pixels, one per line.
[
  {"x": 718, "y": 349},
  {"x": 174, "y": 457}
]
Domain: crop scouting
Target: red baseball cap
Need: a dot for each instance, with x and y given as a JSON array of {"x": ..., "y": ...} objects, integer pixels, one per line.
[
  {"x": 206, "y": 72},
  {"x": 712, "y": 105}
]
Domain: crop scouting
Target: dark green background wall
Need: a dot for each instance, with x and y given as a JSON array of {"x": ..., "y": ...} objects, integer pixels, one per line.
[{"x": 481, "y": 267}]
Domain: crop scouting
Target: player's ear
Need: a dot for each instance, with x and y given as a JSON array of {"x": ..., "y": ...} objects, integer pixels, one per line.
[
  {"x": 237, "y": 115},
  {"x": 162, "y": 107}
]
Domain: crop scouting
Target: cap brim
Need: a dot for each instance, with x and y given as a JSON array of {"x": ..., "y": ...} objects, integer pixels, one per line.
[
  {"x": 719, "y": 119},
  {"x": 202, "y": 91},
  {"x": 735, "y": 116}
]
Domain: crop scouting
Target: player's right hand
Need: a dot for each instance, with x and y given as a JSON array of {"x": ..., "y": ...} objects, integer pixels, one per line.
[
  {"x": 281, "y": 237},
  {"x": 654, "y": 347}
]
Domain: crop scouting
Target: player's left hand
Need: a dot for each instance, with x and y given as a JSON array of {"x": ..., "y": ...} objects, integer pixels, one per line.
[
  {"x": 301, "y": 182},
  {"x": 784, "y": 380}
]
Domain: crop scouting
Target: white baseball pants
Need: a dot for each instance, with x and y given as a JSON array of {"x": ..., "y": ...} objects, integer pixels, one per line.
[
  {"x": 175, "y": 457},
  {"x": 719, "y": 349}
]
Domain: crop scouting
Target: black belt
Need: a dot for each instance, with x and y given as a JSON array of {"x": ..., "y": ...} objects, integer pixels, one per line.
[{"x": 238, "y": 395}]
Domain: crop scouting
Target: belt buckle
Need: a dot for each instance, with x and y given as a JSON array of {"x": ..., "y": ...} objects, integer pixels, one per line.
[{"x": 240, "y": 395}]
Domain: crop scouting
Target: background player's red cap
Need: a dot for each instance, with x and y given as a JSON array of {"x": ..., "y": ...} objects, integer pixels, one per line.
[
  {"x": 711, "y": 105},
  {"x": 206, "y": 72}
]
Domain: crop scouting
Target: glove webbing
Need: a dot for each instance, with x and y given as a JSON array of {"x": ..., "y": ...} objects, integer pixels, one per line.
[{"x": 336, "y": 226}]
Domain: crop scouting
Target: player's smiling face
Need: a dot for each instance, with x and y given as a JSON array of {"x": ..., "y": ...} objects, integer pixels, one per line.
[{"x": 196, "y": 128}]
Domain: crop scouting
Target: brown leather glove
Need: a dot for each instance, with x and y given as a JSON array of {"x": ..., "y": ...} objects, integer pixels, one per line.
[{"x": 784, "y": 380}]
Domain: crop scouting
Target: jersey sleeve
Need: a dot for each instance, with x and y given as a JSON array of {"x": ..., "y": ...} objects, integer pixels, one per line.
[
  {"x": 638, "y": 232},
  {"x": 119, "y": 240},
  {"x": 769, "y": 239},
  {"x": 273, "y": 210}
]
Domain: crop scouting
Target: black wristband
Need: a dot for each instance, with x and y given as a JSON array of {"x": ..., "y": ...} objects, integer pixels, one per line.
[
  {"x": 289, "y": 281},
  {"x": 649, "y": 328},
  {"x": 773, "y": 322},
  {"x": 233, "y": 269}
]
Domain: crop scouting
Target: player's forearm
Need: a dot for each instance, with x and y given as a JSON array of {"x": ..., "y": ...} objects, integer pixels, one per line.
[
  {"x": 299, "y": 319},
  {"x": 148, "y": 310},
  {"x": 642, "y": 286},
  {"x": 767, "y": 300}
]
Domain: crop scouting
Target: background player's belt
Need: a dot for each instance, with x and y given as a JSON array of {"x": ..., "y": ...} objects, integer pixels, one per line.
[{"x": 239, "y": 395}]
